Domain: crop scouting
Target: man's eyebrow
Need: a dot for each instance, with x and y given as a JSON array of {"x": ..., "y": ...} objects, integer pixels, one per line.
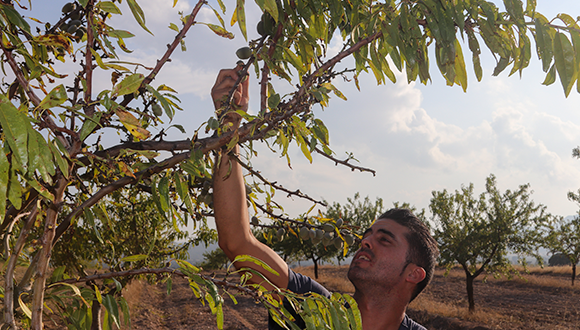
[
  {"x": 388, "y": 233},
  {"x": 383, "y": 231}
]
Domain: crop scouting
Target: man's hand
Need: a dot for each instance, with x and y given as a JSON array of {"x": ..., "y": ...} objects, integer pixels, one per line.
[{"x": 224, "y": 84}]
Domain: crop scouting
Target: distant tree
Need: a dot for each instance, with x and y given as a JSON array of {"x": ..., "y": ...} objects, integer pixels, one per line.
[
  {"x": 358, "y": 213},
  {"x": 479, "y": 232},
  {"x": 319, "y": 243},
  {"x": 564, "y": 237},
  {"x": 214, "y": 259},
  {"x": 558, "y": 259}
]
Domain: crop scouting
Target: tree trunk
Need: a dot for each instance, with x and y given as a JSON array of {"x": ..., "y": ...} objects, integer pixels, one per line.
[
  {"x": 470, "y": 299},
  {"x": 45, "y": 253},
  {"x": 96, "y": 312},
  {"x": 573, "y": 273},
  {"x": 315, "y": 268}
]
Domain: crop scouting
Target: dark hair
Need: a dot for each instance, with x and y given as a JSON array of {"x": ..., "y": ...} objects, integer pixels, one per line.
[{"x": 423, "y": 249}]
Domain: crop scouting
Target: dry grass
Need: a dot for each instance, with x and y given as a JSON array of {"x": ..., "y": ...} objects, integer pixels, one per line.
[
  {"x": 426, "y": 303},
  {"x": 332, "y": 277}
]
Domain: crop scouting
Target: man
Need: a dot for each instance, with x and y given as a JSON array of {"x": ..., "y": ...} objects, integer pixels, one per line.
[{"x": 393, "y": 265}]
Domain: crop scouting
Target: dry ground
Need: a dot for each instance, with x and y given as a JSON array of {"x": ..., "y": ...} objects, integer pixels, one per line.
[{"x": 543, "y": 299}]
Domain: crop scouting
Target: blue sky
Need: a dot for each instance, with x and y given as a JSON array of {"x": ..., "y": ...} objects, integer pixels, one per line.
[{"x": 418, "y": 138}]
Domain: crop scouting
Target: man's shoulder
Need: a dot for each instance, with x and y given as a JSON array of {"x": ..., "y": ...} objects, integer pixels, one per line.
[{"x": 409, "y": 324}]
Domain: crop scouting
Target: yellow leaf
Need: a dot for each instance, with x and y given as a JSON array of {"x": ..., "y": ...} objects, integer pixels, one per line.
[
  {"x": 132, "y": 124},
  {"x": 125, "y": 169}
]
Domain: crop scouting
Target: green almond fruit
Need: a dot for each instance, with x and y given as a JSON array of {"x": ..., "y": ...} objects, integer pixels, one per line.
[
  {"x": 260, "y": 28},
  {"x": 255, "y": 221},
  {"x": 244, "y": 53},
  {"x": 280, "y": 233},
  {"x": 157, "y": 110},
  {"x": 337, "y": 243},
  {"x": 328, "y": 227},
  {"x": 349, "y": 239},
  {"x": 72, "y": 29},
  {"x": 76, "y": 15},
  {"x": 68, "y": 7},
  {"x": 304, "y": 233},
  {"x": 339, "y": 223}
]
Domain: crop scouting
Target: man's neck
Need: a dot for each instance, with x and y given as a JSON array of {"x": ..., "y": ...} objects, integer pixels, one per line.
[{"x": 380, "y": 312}]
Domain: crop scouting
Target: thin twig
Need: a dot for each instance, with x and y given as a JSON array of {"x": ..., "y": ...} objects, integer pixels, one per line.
[
  {"x": 274, "y": 184},
  {"x": 165, "y": 58},
  {"x": 345, "y": 162}
]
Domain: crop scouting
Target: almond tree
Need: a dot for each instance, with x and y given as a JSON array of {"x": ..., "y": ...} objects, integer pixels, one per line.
[
  {"x": 564, "y": 237},
  {"x": 55, "y": 174},
  {"x": 478, "y": 232}
]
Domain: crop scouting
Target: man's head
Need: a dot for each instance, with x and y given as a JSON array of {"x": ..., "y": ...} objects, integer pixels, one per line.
[
  {"x": 422, "y": 250},
  {"x": 397, "y": 253}
]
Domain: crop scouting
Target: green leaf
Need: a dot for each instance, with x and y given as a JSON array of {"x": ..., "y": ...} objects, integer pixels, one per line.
[
  {"x": 551, "y": 76},
  {"x": 173, "y": 27},
  {"x": 128, "y": 85},
  {"x": 133, "y": 258},
  {"x": 109, "y": 7},
  {"x": 60, "y": 161},
  {"x": 89, "y": 125},
  {"x": 565, "y": 62},
  {"x": 15, "y": 18},
  {"x": 501, "y": 65},
  {"x": 187, "y": 268},
  {"x": 183, "y": 192},
  {"x": 460, "y": 71},
  {"x": 274, "y": 101},
  {"x": 56, "y": 97},
  {"x": 220, "y": 31},
  {"x": 98, "y": 294},
  {"x": 125, "y": 308},
  {"x": 248, "y": 258},
  {"x": 163, "y": 190},
  {"x": 15, "y": 127},
  {"x": 112, "y": 307},
  {"x": 138, "y": 14},
  {"x": 241, "y": 17},
  {"x": 544, "y": 44},
  {"x": 14, "y": 190},
  {"x": 4, "y": 176},
  {"x": 270, "y": 7},
  {"x": 120, "y": 34},
  {"x": 166, "y": 106}
]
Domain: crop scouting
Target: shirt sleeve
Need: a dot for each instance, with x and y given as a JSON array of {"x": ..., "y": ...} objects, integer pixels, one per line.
[
  {"x": 409, "y": 324},
  {"x": 302, "y": 284}
]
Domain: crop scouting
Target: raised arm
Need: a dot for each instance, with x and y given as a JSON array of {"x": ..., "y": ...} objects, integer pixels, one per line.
[{"x": 229, "y": 197}]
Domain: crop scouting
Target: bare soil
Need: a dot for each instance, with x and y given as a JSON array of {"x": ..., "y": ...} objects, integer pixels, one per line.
[{"x": 541, "y": 301}]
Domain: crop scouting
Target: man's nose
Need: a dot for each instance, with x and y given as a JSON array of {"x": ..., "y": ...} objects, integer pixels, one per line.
[{"x": 366, "y": 242}]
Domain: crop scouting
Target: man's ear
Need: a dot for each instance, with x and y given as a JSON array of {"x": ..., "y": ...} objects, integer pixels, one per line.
[{"x": 416, "y": 275}]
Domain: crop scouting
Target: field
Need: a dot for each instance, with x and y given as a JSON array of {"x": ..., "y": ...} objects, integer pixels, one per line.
[{"x": 541, "y": 299}]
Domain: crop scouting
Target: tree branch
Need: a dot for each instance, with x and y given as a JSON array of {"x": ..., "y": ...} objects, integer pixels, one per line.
[
  {"x": 88, "y": 106},
  {"x": 274, "y": 184}
]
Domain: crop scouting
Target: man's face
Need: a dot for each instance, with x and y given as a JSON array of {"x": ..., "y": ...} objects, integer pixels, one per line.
[{"x": 381, "y": 259}]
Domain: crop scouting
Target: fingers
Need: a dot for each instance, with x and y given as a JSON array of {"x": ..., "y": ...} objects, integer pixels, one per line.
[{"x": 225, "y": 81}]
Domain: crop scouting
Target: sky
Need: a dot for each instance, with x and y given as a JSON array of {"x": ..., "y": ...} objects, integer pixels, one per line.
[{"x": 418, "y": 138}]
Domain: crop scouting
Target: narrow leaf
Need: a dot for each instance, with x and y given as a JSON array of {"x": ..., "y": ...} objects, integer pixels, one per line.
[
  {"x": 565, "y": 62},
  {"x": 56, "y": 97}
]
